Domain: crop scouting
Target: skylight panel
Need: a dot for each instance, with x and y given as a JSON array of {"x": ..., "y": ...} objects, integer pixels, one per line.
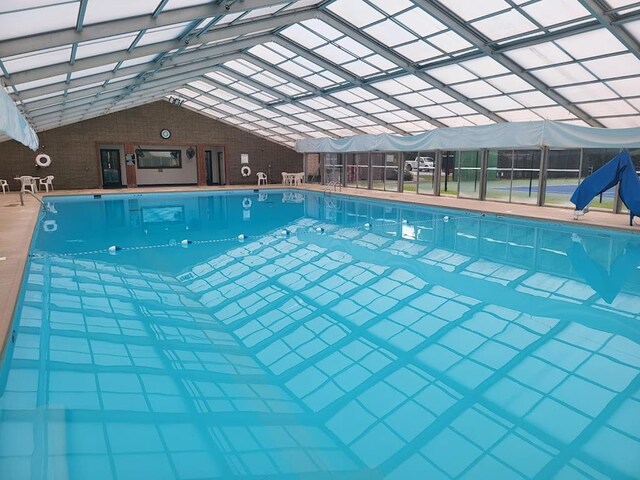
[
  {"x": 259, "y": 12},
  {"x": 542, "y": 55},
  {"x": 92, "y": 71},
  {"x": 319, "y": 81},
  {"x": 591, "y": 44},
  {"x": 436, "y": 111},
  {"x": 479, "y": 119},
  {"x": 225, "y": 107},
  {"x": 303, "y": 36},
  {"x": 138, "y": 61},
  {"x": 420, "y": 22},
  {"x": 360, "y": 68},
  {"x": 369, "y": 107},
  {"x": 554, "y": 113},
  {"x": 499, "y": 103},
  {"x": 533, "y": 99},
  {"x": 564, "y": 75},
  {"x": 264, "y": 97},
  {"x": 413, "y": 82},
  {"x": 242, "y": 67},
  {"x": 612, "y": 67},
  {"x": 98, "y": 12},
  {"x": 220, "y": 77},
  {"x": 608, "y": 108},
  {"x": 621, "y": 122},
  {"x": 460, "y": 108},
  {"x": 334, "y": 54},
  {"x": 589, "y": 91},
  {"x": 322, "y": 29},
  {"x": 476, "y": 89},
  {"x": 326, "y": 125},
  {"x": 284, "y": 121},
  {"x": 266, "y": 80},
  {"x": 104, "y": 45},
  {"x": 222, "y": 94},
  {"x": 456, "y": 122},
  {"x": 414, "y": 100},
  {"x": 381, "y": 62},
  {"x": 553, "y": 12},
  {"x": 338, "y": 112},
  {"x": 244, "y": 88},
  {"x": 449, "y": 42},
  {"x": 266, "y": 54},
  {"x": 308, "y": 117},
  {"x": 470, "y": 9},
  {"x": 391, "y": 8},
  {"x": 520, "y": 116},
  {"x": 418, "y": 51},
  {"x": 203, "y": 86},
  {"x": 24, "y": 23},
  {"x": 390, "y": 33},
  {"x": 193, "y": 105},
  {"x": 451, "y": 74},
  {"x": 318, "y": 103},
  {"x": 295, "y": 69},
  {"x": 356, "y": 12},
  {"x": 187, "y": 92},
  {"x": 290, "y": 89},
  {"x": 265, "y": 112},
  {"x": 207, "y": 100},
  {"x": 391, "y": 87},
  {"x": 484, "y": 67},
  {"x": 627, "y": 87},
  {"x": 437, "y": 96},
  {"x": 353, "y": 47},
  {"x": 508, "y": 24},
  {"x": 307, "y": 64},
  {"x": 388, "y": 117},
  {"x": 162, "y": 34},
  {"x": 37, "y": 59},
  {"x": 509, "y": 83}
]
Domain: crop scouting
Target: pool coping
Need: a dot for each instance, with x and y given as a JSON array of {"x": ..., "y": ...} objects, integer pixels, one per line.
[{"x": 18, "y": 223}]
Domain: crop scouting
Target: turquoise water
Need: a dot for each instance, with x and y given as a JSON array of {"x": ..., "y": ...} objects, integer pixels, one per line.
[{"x": 341, "y": 339}]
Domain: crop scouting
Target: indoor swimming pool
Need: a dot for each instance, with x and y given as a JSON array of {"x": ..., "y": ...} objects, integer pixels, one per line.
[{"x": 284, "y": 334}]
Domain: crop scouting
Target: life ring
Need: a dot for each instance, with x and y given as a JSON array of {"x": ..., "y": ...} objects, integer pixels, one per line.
[
  {"x": 246, "y": 203},
  {"x": 245, "y": 171},
  {"x": 43, "y": 160}
]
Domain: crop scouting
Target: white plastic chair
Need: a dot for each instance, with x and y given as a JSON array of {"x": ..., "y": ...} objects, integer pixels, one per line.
[
  {"x": 5, "y": 186},
  {"x": 297, "y": 178},
  {"x": 262, "y": 178},
  {"x": 47, "y": 182},
  {"x": 27, "y": 183},
  {"x": 285, "y": 178}
]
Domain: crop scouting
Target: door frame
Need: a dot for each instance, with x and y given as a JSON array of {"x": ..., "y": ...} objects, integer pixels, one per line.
[{"x": 118, "y": 149}]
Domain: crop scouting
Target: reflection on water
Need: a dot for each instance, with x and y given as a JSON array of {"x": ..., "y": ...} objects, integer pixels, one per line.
[{"x": 418, "y": 347}]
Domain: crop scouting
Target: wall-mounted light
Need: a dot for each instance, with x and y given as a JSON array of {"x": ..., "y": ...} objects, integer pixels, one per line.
[
  {"x": 139, "y": 152},
  {"x": 191, "y": 152}
]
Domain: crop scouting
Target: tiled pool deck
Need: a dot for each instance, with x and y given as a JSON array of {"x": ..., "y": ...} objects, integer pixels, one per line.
[{"x": 17, "y": 224}]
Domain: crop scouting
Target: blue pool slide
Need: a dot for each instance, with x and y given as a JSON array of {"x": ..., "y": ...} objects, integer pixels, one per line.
[{"x": 618, "y": 170}]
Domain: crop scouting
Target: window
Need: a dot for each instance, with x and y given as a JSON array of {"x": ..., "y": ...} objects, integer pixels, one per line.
[{"x": 160, "y": 159}]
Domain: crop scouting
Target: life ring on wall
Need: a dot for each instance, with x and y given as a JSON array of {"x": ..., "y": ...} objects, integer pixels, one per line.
[
  {"x": 245, "y": 171},
  {"x": 246, "y": 203},
  {"x": 43, "y": 160}
]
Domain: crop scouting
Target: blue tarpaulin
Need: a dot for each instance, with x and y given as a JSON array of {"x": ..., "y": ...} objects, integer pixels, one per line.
[{"x": 618, "y": 171}]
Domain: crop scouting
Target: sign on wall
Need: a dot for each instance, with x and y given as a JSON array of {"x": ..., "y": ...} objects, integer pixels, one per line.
[{"x": 244, "y": 158}]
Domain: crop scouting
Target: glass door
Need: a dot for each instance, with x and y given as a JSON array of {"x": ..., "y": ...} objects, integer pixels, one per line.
[{"x": 110, "y": 164}]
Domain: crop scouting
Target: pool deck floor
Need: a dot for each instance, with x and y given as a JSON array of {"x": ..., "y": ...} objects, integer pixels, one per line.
[{"x": 17, "y": 225}]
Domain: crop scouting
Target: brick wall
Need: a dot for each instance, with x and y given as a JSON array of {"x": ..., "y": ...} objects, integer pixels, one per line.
[{"x": 75, "y": 157}]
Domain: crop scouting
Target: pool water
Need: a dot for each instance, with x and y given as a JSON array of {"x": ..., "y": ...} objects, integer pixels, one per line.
[{"x": 341, "y": 338}]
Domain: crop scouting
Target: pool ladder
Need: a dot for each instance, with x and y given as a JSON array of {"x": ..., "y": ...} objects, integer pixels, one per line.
[
  {"x": 33, "y": 195},
  {"x": 335, "y": 184}
]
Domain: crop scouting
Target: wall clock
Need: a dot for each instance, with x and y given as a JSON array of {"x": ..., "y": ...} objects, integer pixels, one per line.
[{"x": 165, "y": 133}]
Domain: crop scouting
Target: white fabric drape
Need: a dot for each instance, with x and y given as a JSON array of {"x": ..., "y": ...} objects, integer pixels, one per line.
[
  {"x": 501, "y": 135},
  {"x": 13, "y": 124}
]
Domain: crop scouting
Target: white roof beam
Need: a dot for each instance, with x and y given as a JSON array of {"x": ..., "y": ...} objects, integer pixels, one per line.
[{"x": 31, "y": 43}]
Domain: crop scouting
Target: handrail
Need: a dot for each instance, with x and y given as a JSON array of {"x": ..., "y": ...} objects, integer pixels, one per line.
[
  {"x": 33, "y": 195},
  {"x": 335, "y": 184}
]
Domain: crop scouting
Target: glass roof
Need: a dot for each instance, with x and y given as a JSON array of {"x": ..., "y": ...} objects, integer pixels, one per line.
[{"x": 292, "y": 69}]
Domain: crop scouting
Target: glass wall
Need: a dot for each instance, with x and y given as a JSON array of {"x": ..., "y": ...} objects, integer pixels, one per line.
[
  {"x": 563, "y": 176},
  {"x": 357, "y": 170},
  {"x": 499, "y": 175},
  {"x": 593, "y": 159},
  {"x": 312, "y": 168},
  {"x": 332, "y": 168},
  {"x": 469, "y": 169},
  {"x": 377, "y": 171},
  {"x": 510, "y": 176},
  {"x": 448, "y": 177},
  {"x": 392, "y": 171},
  {"x": 526, "y": 176}
]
